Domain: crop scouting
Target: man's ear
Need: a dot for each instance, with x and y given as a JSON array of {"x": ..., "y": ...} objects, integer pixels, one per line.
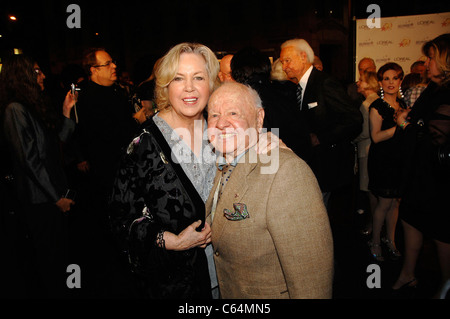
[
  {"x": 93, "y": 70},
  {"x": 259, "y": 119},
  {"x": 304, "y": 56}
]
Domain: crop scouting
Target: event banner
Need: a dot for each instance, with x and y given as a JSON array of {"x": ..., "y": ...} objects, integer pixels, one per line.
[{"x": 397, "y": 39}]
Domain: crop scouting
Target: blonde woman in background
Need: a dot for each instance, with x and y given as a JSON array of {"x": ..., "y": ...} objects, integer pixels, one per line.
[{"x": 368, "y": 87}]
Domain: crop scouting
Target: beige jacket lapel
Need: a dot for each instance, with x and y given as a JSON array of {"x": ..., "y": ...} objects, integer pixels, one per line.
[{"x": 234, "y": 192}]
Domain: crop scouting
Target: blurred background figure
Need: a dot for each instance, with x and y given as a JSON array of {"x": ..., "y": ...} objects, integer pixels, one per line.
[
  {"x": 426, "y": 131},
  {"x": 368, "y": 87},
  {"x": 225, "y": 68},
  {"x": 33, "y": 131},
  {"x": 318, "y": 63},
  {"x": 365, "y": 64}
]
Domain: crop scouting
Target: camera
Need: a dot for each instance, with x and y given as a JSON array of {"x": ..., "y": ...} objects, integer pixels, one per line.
[{"x": 73, "y": 88}]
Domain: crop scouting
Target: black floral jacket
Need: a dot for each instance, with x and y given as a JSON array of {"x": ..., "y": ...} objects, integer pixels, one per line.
[{"x": 152, "y": 194}]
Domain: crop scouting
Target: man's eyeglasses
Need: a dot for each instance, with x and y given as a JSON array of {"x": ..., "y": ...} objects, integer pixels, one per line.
[{"x": 106, "y": 64}]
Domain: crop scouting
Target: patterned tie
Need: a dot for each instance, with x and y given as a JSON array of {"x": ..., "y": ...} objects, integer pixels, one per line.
[
  {"x": 226, "y": 173},
  {"x": 299, "y": 96}
]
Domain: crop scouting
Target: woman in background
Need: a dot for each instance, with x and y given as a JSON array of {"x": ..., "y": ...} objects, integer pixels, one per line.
[
  {"x": 424, "y": 210},
  {"x": 33, "y": 131},
  {"x": 368, "y": 87},
  {"x": 385, "y": 159}
]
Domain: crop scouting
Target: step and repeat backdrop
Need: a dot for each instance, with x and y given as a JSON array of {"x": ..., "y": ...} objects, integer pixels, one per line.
[{"x": 398, "y": 39}]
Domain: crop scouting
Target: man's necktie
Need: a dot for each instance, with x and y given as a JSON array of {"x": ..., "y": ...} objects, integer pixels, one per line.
[
  {"x": 226, "y": 173},
  {"x": 299, "y": 96}
]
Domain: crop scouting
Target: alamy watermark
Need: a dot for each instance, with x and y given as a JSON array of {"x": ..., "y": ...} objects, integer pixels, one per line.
[
  {"x": 373, "y": 20},
  {"x": 74, "y": 19},
  {"x": 74, "y": 279},
  {"x": 181, "y": 137}
]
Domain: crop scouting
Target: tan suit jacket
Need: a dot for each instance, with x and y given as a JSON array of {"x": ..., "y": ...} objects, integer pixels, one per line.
[{"x": 285, "y": 248}]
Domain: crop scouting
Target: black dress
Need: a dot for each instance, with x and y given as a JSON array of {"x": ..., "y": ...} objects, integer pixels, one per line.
[
  {"x": 385, "y": 158},
  {"x": 425, "y": 204}
]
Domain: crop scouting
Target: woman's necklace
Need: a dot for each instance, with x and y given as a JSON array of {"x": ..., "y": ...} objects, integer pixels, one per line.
[{"x": 395, "y": 109}]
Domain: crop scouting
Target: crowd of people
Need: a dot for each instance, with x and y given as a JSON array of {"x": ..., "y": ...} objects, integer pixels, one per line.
[{"x": 212, "y": 179}]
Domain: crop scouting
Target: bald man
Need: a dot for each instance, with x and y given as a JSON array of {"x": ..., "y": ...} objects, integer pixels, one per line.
[
  {"x": 225, "y": 68},
  {"x": 269, "y": 241}
]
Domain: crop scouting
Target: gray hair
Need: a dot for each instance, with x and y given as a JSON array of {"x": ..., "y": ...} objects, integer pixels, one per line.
[
  {"x": 252, "y": 94},
  {"x": 301, "y": 45},
  {"x": 255, "y": 97}
]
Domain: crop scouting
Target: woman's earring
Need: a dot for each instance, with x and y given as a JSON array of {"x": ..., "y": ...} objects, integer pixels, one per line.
[
  {"x": 381, "y": 92},
  {"x": 401, "y": 93}
]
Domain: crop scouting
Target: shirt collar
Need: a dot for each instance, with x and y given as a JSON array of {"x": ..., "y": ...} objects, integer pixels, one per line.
[
  {"x": 221, "y": 162},
  {"x": 305, "y": 77}
]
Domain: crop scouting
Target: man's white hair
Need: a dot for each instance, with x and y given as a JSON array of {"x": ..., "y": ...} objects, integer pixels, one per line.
[
  {"x": 255, "y": 97},
  {"x": 252, "y": 93},
  {"x": 301, "y": 45}
]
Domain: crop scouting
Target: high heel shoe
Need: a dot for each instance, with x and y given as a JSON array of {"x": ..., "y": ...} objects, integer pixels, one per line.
[
  {"x": 408, "y": 285},
  {"x": 393, "y": 251},
  {"x": 377, "y": 256}
]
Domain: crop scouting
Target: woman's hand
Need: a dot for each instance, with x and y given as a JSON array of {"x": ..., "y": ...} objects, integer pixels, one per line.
[
  {"x": 188, "y": 238},
  {"x": 401, "y": 116},
  {"x": 267, "y": 142},
  {"x": 64, "y": 204},
  {"x": 69, "y": 102}
]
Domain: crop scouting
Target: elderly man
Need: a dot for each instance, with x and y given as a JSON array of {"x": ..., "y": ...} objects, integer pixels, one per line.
[
  {"x": 270, "y": 230},
  {"x": 333, "y": 121}
]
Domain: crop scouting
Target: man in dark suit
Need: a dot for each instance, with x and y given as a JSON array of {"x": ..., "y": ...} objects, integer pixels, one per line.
[
  {"x": 107, "y": 122},
  {"x": 333, "y": 122}
]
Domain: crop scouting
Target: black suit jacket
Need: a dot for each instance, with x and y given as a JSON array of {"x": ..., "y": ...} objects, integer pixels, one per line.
[
  {"x": 282, "y": 114},
  {"x": 336, "y": 121},
  {"x": 106, "y": 126}
]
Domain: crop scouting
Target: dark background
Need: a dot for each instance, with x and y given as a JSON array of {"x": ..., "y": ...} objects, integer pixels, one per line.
[{"x": 136, "y": 33}]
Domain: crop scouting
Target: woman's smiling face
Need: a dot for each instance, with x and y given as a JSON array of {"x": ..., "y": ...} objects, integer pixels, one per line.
[
  {"x": 189, "y": 90},
  {"x": 391, "y": 82}
]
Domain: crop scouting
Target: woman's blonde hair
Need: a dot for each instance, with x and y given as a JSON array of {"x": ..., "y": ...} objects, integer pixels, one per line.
[
  {"x": 277, "y": 72},
  {"x": 168, "y": 67},
  {"x": 371, "y": 79},
  {"x": 441, "y": 47}
]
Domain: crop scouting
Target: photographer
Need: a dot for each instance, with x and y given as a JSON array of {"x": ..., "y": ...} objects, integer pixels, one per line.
[{"x": 426, "y": 132}]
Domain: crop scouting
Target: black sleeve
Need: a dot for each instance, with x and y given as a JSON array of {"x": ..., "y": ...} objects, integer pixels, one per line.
[
  {"x": 28, "y": 147},
  {"x": 348, "y": 118},
  {"x": 127, "y": 204}
]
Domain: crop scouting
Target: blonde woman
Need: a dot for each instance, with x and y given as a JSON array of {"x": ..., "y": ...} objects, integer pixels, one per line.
[
  {"x": 424, "y": 210},
  {"x": 157, "y": 208},
  {"x": 368, "y": 87}
]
